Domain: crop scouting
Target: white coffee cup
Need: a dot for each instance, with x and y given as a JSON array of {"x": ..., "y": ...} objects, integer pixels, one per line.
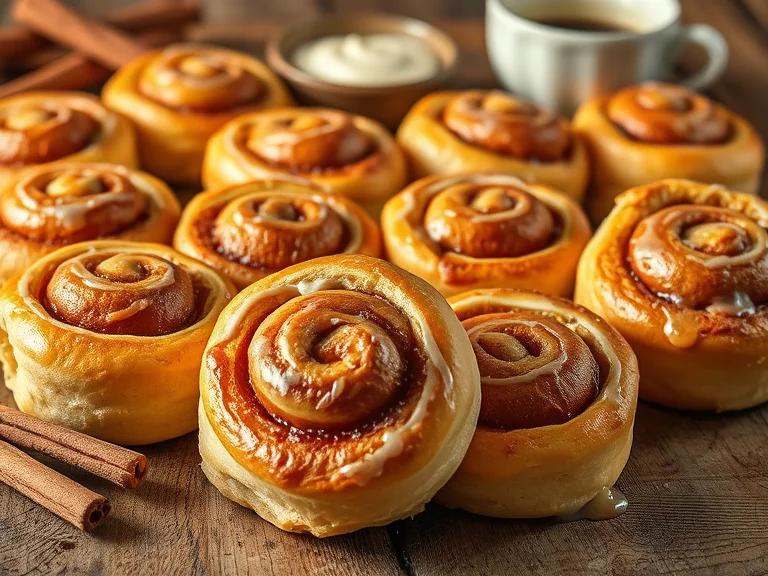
[{"x": 562, "y": 68}]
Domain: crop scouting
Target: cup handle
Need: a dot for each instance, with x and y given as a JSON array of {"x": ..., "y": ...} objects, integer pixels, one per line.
[{"x": 717, "y": 49}]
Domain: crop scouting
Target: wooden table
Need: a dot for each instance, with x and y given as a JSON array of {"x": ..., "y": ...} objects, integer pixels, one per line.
[{"x": 697, "y": 484}]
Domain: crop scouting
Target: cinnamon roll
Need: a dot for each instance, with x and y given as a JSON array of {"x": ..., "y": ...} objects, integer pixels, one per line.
[
  {"x": 681, "y": 270},
  {"x": 342, "y": 153},
  {"x": 107, "y": 338},
  {"x": 654, "y": 131},
  {"x": 559, "y": 392},
  {"x": 44, "y": 127},
  {"x": 337, "y": 394},
  {"x": 179, "y": 96},
  {"x": 455, "y": 132},
  {"x": 485, "y": 230},
  {"x": 58, "y": 204},
  {"x": 248, "y": 231}
]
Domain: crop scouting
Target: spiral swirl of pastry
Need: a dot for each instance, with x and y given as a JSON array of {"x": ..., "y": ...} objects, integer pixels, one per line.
[
  {"x": 651, "y": 132},
  {"x": 63, "y": 203},
  {"x": 486, "y": 221},
  {"x": 315, "y": 140},
  {"x": 72, "y": 203},
  {"x": 178, "y": 97},
  {"x": 342, "y": 153},
  {"x": 682, "y": 269},
  {"x": 668, "y": 114},
  {"x": 701, "y": 256},
  {"x": 43, "y": 131},
  {"x": 697, "y": 253},
  {"x": 107, "y": 337},
  {"x": 534, "y": 371},
  {"x": 507, "y": 125},
  {"x": 42, "y": 127},
  {"x": 559, "y": 392},
  {"x": 199, "y": 79},
  {"x": 250, "y": 230},
  {"x": 121, "y": 293},
  {"x": 449, "y": 133},
  {"x": 486, "y": 229},
  {"x": 340, "y": 371}
]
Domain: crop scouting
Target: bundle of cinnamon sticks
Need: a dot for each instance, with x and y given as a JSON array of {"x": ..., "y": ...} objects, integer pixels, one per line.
[
  {"x": 88, "y": 49},
  {"x": 61, "y": 495}
]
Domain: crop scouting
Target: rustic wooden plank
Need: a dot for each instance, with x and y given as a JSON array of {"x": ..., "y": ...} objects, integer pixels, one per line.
[
  {"x": 697, "y": 488},
  {"x": 176, "y": 523},
  {"x": 757, "y": 9},
  {"x": 697, "y": 483}
]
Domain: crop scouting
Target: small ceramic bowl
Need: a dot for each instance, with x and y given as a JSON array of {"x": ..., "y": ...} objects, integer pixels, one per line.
[{"x": 387, "y": 104}]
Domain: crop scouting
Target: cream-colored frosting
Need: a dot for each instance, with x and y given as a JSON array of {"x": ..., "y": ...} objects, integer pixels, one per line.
[
  {"x": 370, "y": 60},
  {"x": 552, "y": 367},
  {"x": 612, "y": 387},
  {"x": 372, "y": 464}
]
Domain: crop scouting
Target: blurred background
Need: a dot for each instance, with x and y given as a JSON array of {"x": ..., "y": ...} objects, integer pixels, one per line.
[
  {"x": 239, "y": 10},
  {"x": 248, "y": 24}
]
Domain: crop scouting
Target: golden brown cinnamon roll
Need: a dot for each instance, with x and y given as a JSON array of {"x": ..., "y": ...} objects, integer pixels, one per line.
[
  {"x": 681, "y": 270},
  {"x": 58, "y": 204},
  {"x": 343, "y": 153},
  {"x": 107, "y": 338},
  {"x": 248, "y": 231},
  {"x": 43, "y": 127},
  {"x": 653, "y": 131},
  {"x": 179, "y": 96},
  {"x": 559, "y": 392},
  {"x": 455, "y": 132},
  {"x": 355, "y": 383},
  {"x": 485, "y": 230}
]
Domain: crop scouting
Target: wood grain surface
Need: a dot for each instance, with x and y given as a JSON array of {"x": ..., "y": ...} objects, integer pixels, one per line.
[{"x": 697, "y": 484}]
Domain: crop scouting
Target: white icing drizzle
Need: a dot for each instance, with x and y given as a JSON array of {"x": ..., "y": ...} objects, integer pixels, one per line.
[
  {"x": 337, "y": 389},
  {"x": 549, "y": 368},
  {"x": 316, "y": 285},
  {"x": 283, "y": 380},
  {"x": 236, "y": 320},
  {"x": 611, "y": 389},
  {"x": 501, "y": 215},
  {"x": 416, "y": 232},
  {"x": 352, "y": 224},
  {"x": 69, "y": 215},
  {"x": 371, "y": 465},
  {"x": 737, "y": 304},
  {"x": 288, "y": 137},
  {"x": 98, "y": 283},
  {"x": 29, "y": 275},
  {"x": 707, "y": 260},
  {"x": 126, "y": 313}
]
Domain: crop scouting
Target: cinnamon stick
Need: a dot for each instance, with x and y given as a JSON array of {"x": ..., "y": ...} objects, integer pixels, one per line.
[
  {"x": 57, "y": 493},
  {"x": 74, "y": 71},
  {"x": 118, "y": 465},
  {"x": 17, "y": 42},
  {"x": 93, "y": 38}
]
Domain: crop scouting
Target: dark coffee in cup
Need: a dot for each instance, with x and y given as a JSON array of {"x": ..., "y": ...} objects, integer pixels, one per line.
[{"x": 586, "y": 25}]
